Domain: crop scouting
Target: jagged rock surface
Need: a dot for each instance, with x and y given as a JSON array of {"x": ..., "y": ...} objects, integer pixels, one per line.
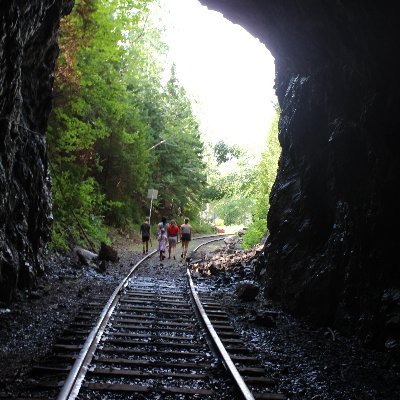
[
  {"x": 28, "y": 50},
  {"x": 333, "y": 221}
]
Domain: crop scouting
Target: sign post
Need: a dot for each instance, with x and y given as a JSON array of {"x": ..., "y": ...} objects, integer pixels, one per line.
[{"x": 151, "y": 194}]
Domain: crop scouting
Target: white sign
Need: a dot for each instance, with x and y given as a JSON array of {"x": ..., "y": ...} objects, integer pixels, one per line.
[{"x": 152, "y": 193}]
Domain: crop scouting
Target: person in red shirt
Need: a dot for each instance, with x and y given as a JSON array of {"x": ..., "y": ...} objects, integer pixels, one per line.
[{"x": 173, "y": 231}]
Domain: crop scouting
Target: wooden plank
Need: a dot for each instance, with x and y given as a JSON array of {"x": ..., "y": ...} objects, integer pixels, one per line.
[
  {"x": 118, "y": 387},
  {"x": 81, "y": 325},
  {"x": 215, "y": 309},
  {"x": 165, "y": 310},
  {"x": 146, "y": 389},
  {"x": 154, "y": 322},
  {"x": 71, "y": 347},
  {"x": 135, "y": 310},
  {"x": 270, "y": 396},
  {"x": 86, "y": 317},
  {"x": 143, "y": 335},
  {"x": 156, "y": 301},
  {"x": 140, "y": 300},
  {"x": 237, "y": 349},
  {"x": 226, "y": 335},
  {"x": 71, "y": 339},
  {"x": 245, "y": 359},
  {"x": 119, "y": 317},
  {"x": 151, "y": 343},
  {"x": 224, "y": 327},
  {"x": 146, "y": 352},
  {"x": 125, "y": 373},
  {"x": 139, "y": 294},
  {"x": 219, "y": 315},
  {"x": 42, "y": 369},
  {"x": 24, "y": 398},
  {"x": 251, "y": 371},
  {"x": 159, "y": 321},
  {"x": 177, "y": 294},
  {"x": 152, "y": 363},
  {"x": 259, "y": 380},
  {"x": 89, "y": 312},
  {"x": 63, "y": 356},
  {"x": 228, "y": 340},
  {"x": 218, "y": 318},
  {"x": 151, "y": 328},
  {"x": 76, "y": 331}
]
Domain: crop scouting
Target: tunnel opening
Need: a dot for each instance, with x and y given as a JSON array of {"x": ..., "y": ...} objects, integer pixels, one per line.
[
  {"x": 208, "y": 90},
  {"x": 333, "y": 218}
]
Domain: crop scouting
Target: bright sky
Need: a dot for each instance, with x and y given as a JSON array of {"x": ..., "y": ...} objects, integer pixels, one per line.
[{"x": 227, "y": 71}]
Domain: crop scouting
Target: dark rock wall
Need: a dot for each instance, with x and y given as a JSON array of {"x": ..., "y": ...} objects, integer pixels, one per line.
[
  {"x": 28, "y": 50},
  {"x": 331, "y": 256}
]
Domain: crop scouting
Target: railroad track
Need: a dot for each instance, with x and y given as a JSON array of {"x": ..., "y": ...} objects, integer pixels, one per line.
[{"x": 154, "y": 339}]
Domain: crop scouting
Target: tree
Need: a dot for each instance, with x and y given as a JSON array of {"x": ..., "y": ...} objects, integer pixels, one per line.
[
  {"x": 223, "y": 152},
  {"x": 99, "y": 108},
  {"x": 229, "y": 191},
  {"x": 266, "y": 174},
  {"x": 179, "y": 173},
  {"x": 112, "y": 108}
]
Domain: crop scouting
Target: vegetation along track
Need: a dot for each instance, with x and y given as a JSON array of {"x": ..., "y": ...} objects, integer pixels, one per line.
[{"x": 154, "y": 339}]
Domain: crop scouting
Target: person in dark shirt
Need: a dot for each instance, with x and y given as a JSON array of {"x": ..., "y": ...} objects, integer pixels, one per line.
[{"x": 145, "y": 231}]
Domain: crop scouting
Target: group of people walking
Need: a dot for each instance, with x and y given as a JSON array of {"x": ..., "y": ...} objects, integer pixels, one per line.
[{"x": 167, "y": 235}]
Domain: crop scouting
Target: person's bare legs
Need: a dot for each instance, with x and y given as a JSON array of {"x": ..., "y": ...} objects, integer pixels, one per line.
[
  {"x": 183, "y": 248},
  {"x": 174, "y": 251}
]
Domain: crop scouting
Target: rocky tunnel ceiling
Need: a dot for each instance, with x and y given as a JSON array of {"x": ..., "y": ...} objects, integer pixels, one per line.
[{"x": 333, "y": 222}]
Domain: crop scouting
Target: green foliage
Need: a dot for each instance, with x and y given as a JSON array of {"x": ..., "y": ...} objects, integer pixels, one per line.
[
  {"x": 219, "y": 222},
  {"x": 231, "y": 193},
  {"x": 235, "y": 209},
  {"x": 223, "y": 152},
  {"x": 179, "y": 169},
  {"x": 111, "y": 111},
  {"x": 266, "y": 174},
  {"x": 254, "y": 233},
  {"x": 77, "y": 208},
  {"x": 241, "y": 195},
  {"x": 201, "y": 227}
]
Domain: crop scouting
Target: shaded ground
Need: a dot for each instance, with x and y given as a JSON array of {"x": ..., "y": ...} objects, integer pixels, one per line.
[
  {"x": 29, "y": 327},
  {"x": 307, "y": 364}
]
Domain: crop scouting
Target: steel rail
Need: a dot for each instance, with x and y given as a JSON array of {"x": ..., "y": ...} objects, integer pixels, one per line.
[
  {"x": 241, "y": 384},
  {"x": 75, "y": 378},
  {"x": 73, "y": 382}
]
